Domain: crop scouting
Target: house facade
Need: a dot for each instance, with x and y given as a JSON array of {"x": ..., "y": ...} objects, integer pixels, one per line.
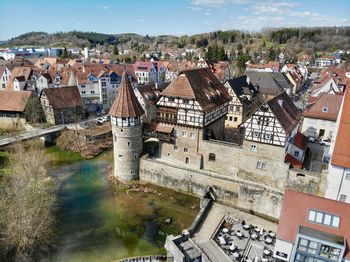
[
  {"x": 325, "y": 61},
  {"x": 338, "y": 177},
  {"x": 312, "y": 228},
  {"x": 145, "y": 72},
  {"x": 5, "y": 75},
  {"x": 320, "y": 118},
  {"x": 62, "y": 105},
  {"x": 12, "y": 108}
]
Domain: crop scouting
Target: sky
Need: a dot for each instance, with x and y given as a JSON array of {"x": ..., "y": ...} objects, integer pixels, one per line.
[{"x": 158, "y": 17}]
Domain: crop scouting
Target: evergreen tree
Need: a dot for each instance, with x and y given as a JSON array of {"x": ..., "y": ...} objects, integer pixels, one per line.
[
  {"x": 272, "y": 54},
  {"x": 115, "y": 50},
  {"x": 241, "y": 63}
]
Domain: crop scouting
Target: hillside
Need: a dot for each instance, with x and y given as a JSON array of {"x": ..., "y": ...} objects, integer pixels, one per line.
[{"x": 266, "y": 44}]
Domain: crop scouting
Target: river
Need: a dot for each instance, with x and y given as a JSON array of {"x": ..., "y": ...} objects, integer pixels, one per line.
[{"x": 94, "y": 224}]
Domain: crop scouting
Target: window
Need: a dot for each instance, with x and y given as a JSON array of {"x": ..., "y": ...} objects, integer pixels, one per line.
[
  {"x": 230, "y": 118},
  {"x": 256, "y": 134},
  {"x": 83, "y": 92},
  {"x": 176, "y": 148},
  {"x": 120, "y": 156},
  {"x": 192, "y": 135},
  {"x": 253, "y": 148},
  {"x": 186, "y": 149},
  {"x": 103, "y": 83},
  {"x": 347, "y": 176},
  {"x": 261, "y": 165},
  {"x": 342, "y": 198},
  {"x": 296, "y": 153},
  {"x": 187, "y": 160},
  {"x": 238, "y": 109},
  {"x": 235, "y": 119},
  {"x": 128, "y": 144},
  {"x": 184, "y": 134},
  {"x": 92, "y": 91},
  {"x": 325, "y": 109},
  {"x": 175, "y": 133},
  {"x": 323, "y": 218},
  {"x": 82, "y": 86},
  {"x": 211, "y": 157},
  {"x": 135, "y": 157}
]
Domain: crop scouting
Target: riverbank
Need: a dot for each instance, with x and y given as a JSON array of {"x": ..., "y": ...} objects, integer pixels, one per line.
[
  {"x": 101, "y": 222},
  {"x": 87, "y": 142}
]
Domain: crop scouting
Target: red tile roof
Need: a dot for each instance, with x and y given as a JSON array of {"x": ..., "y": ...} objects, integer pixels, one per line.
[
  {"x": 126, "y": 103},
  {"x": 301, "y": 141},
  {"x": 293, "y": 161},
  {"x": 295, "y": 210},
  {"x": 331, "y": 102},
  {"x": 15, "y": 101},
  {"x": 341, "y": 153}
]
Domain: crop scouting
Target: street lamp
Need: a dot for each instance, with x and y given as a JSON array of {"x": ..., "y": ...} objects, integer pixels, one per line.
[{"x": 62, "y": 117}]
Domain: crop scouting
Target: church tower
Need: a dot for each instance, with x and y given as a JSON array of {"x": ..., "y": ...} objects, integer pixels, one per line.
[{"x": 126, "y": 119}]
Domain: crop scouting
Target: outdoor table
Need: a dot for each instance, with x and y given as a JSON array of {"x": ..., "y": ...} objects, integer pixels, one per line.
[
  {"x": 254, "y": 236},
  {"x": 268, "y": 240},
  {"x": 235, "y": 255},
  {"x": 225, "y": 230},
  {"x": 239, "y": 234},
  {"x": 271, "y": 234},
  {"x": 246, "y": 226},
  {"x": 266, "y": 252}
]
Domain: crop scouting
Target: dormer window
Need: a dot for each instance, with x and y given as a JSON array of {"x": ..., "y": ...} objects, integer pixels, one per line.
[{"x": 325, "y": 109}]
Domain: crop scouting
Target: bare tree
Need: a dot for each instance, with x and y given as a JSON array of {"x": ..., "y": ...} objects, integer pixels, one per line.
[
  {"x": 34, "y": 111},
  {"x": 27, "y": 198}
]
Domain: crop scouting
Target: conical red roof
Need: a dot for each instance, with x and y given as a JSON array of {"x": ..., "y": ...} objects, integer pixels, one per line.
[{"x": 126, "y": 103}]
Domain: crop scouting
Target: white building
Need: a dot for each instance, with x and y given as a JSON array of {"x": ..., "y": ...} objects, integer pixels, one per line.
[
  {"x": 320, "y": 118},
  {"x": 5, "y": 75},
  {"x": 325, "y": 61},
  {"x": 338, "y": 178},
  {"x": 145, "y": 72}
]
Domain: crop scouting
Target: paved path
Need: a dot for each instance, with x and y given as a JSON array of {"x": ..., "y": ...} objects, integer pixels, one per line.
[
  {"x": 31, "y": 134},
  {"x": 217, "y": 212}
]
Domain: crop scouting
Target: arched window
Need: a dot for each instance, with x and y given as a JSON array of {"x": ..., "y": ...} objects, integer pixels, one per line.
[{"x": 211, "y": 157}]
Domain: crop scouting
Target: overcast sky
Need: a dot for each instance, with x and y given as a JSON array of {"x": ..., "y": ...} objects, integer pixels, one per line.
[{"x": 156, "y": 17}]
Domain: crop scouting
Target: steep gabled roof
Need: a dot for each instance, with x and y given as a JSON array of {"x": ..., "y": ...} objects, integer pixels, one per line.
[
  {"x": 241, "y": 87},
  {"x": 126, "y": 103},
  {"x": 199, "y": 84},
  {"x": 14, "y": 101},
  {"x": 63, "y": 97},
  {"x": 285, "y": 111},
  {"x": 326, "y": 107},
  {"x": 266, "y": 82}
]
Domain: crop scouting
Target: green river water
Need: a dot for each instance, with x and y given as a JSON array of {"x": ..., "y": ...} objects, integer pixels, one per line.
[{"x": 97, "y": 223}]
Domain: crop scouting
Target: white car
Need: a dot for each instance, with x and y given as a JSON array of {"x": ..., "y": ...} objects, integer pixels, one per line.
[{"x": 325, "y": 142}]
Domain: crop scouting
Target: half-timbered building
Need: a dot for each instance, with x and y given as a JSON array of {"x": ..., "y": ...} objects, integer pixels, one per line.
[
  {"x": 194, "y": 105},
  {"x": 273, "y": 122},
  {"x": 244, "y": 99}
]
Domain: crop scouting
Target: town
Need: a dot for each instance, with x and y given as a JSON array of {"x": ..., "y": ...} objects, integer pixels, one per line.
[{"x": 261, "y": 139}]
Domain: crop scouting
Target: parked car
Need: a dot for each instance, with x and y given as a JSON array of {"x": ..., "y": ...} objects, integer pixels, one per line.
[
  {"x": 325, "y": 142},
  {"x": 311, "y": 139}
]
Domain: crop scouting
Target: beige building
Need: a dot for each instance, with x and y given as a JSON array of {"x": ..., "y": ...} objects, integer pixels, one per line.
[{"x": 62, "y": 105}]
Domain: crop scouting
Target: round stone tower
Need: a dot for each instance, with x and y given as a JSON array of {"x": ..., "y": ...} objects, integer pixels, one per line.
[{"x": 126, "y": 118}]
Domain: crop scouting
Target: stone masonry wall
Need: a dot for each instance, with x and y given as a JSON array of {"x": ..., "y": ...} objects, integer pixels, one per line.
[{"x": 248, "y": 196}]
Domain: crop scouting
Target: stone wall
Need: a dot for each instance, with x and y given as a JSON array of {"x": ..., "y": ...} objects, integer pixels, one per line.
[{"x": 245, "y": 195}]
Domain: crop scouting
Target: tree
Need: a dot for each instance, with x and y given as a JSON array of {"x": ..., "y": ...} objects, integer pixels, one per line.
[
  {"x": 241, "y": 63},
  {"x": 115, "y": 50},
  {"x": 34, "y": 112},
  {"x": 27, "y": 198},
  {"x": 65, "y": 53},
  {"x": 272, "y": 54}
]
